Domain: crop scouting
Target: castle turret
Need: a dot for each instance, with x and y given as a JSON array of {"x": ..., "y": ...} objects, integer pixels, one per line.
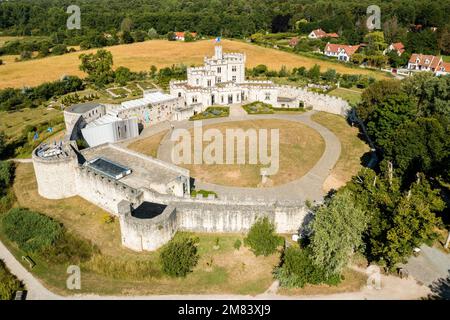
[{"x": 218, "y": 52}]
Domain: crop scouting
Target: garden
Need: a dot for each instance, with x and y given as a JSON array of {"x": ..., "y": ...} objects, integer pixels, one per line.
[{"x": 212, "y": 112}]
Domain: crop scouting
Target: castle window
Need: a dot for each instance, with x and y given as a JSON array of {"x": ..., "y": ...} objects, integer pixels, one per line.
[
  {"x": 234, "y": 78},
  {"x": 219, "y": 70},
  {"x": 267, "y": 96},
  {"x": 233, "y": 68},
  {"x": 209, "y": 83},
  {"x": 179, "y": 94},
  {"x": 219, "y": 79},
  {"x": 197, "y": 81}
]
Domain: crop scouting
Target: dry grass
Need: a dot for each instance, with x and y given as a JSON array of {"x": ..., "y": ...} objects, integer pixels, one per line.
[
  {"x": 353, "y": 281},
  {"x": 161, "y": 53},
  {"x": 353, "y": 149},
  {"x": 148, "y": 146},
  {"x": 300, "y": 148}
]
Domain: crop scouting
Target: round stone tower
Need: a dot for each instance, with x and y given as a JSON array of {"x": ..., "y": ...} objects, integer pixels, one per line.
[{"x": 55, "y": 169}]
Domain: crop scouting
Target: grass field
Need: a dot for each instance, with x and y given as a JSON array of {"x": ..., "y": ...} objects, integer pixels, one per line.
[
  {"x": 353, "y": 96},
  {"x": 353, "y": 149},
  {"x": 300, "y": 148},
  {"x": 161, "y": 53},
  {"x": 150, "y": 145},
  {"x": 12, "y": 123},
  {"x": 222, "y": 270}
]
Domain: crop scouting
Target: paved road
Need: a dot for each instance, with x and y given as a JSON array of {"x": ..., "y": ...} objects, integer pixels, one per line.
[{"x": 310, "y": 186}]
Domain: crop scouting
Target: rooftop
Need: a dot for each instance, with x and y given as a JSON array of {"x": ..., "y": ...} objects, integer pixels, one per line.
[
  {"x": 145, "y": 171},
  {"x": 109, "y": 168},
  {"x": 82, "y": 107}
]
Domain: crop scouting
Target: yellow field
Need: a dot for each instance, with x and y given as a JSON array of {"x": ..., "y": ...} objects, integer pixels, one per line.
[{"x": 161, "y": 53}]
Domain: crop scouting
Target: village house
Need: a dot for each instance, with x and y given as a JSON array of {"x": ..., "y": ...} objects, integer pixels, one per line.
[
  {"x": 423, "y": 62},
  {"x": 342, "y": 52},
  {"x": 293, "y": 42},
  {"x": 319, "y": 34},
  {"x": 180, "y": 35},
  {"x": 397, "y": 47}
]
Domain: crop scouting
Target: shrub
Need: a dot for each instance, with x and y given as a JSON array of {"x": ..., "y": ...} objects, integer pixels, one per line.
[
  {"x": 237, "y": 244},
  {"x": 297, "y": 270},
  {"x": 179, "y": 256},
  {"x": 262, "y": 238},
  {"x": 69, "y": 248},
  {"x": 32, "y": 231},
  {"x": 8, "y": 283}
]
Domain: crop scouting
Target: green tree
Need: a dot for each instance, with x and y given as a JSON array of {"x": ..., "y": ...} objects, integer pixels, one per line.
[
  {"x": 123, "y": 75},
  {"x": 98, "y": 66},
  {"x": 179, "y": 256},
  {"x": 152, "y": 34},
  {"x": 188, "y": 37},
  {"x": 337, "y": 228},
  {"x": 262, "y": 238},
  {"x": 153, "y": 71},
  {"x": 171, "y": 36},
  {"x": 314, "y": 72},
  {"x": 9, "y": 284},
  {"x": 375, "y": 43}
]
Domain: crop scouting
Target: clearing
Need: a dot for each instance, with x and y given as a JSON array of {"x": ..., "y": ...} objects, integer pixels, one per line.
[{"x": 161, "y": 53}]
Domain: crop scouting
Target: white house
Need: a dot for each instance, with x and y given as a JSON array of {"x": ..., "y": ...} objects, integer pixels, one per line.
[
  {"x": 342, "y": 52},
  {"x": 423, "y": 62},
  {"x": 398, "y": 47},
  {"x": 180, "y": 35},
  {"x": 319, "y": 33}
]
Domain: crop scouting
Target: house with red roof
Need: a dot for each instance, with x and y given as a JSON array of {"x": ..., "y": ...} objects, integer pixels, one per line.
[
  {"x": 319, "y": 33},
  {"x": 180, "y": 35},
  {"x": 293, "y": 42},
  {"x": 397, "y": 47},
  {"x": 424, "y": 62},
  {"x": 342, "y": 52}
]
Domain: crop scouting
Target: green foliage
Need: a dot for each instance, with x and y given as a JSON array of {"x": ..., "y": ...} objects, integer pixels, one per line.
[
  {"x": 314, "y": 72},
  {"x": 9, "y": 284},
  {"x": 262, "y": 238},
  {"x": 69, "y": 249},
  {"x": 98, "y": 66},
  {"x": 337, "y": 228},
  {"x": 400, "y": 220},
  {"x": 297, "y": 269},
  {"x": 6, "y": 175},
  {"x": 179, "y": 256},
  {"x": 32, "y": 231},
  {"x": 123, "y": 75},
  {"x": 237, "y": 244}
]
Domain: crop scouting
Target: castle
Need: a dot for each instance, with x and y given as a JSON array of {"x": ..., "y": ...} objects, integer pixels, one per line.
[
  {"x": 152, "y": 198},
  {"x": 221, "y": 81}
]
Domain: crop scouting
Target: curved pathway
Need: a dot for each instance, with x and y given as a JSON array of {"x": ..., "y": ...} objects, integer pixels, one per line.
[{"x": 308, "y": 187}]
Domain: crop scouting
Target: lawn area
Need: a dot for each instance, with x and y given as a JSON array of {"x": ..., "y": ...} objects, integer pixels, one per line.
[
  {"x": 148, "y": 146},
  {"x": 212, "y": 112},
  {"x": 353, "y": 96},
  {"x": 12, "y": 123},
  {"x": 258, "y": 107},
  {"x": 353, "y": 281},
  {"x": 161, "y": 53},
  {"x": 220, "y": 270},
  {"x": 300, "y": 147},
  {"x": 353, "y": 149}
]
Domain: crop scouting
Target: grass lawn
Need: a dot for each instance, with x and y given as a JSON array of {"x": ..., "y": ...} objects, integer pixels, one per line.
[
  {"x": 161, "y": 53},
  {"x": 300, "y": 147},
  {"x": 212, "y": 112},
  {"x": 353, "y": 281},
  {"x": 12, "y": 123},
  {"x": 353, "y": 149},
  {"x": 150, "y": 145},
  {"x": 222, "y": 270},
  {"x": 258, "y": 107},
  {"x": 353, "y": 96},
  {"x": 446, "y": 58}
]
